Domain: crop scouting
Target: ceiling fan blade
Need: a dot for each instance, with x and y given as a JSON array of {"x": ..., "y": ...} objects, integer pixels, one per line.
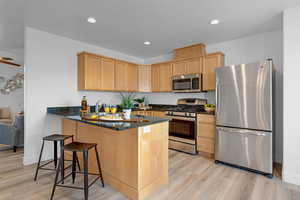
[{"x": 9, "y": 63}]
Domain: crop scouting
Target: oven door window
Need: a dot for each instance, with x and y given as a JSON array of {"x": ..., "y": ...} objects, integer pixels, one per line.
[
  {"x": 182, "y": 128},
  {"x": 182, "y": 84}
]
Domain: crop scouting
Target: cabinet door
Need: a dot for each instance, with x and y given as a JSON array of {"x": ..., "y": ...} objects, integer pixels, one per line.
[
  {"x": 165, "y": 74},
  {"x": 121, "y": 76},
  {"x": 206, "y": 130},
  {"x": 132, "y": 77},
  {"x": 144, "y": 77},
  {"x": 107, "y": 74},
  {"x": 160, "y": 114},
  {"x": 92, "y": 72},
  {"x": 212, "y": 61},
  {"x": 155, "y": 78},
  {"x": 194, "y": 65},
  {"x": 179, "y": 68}
]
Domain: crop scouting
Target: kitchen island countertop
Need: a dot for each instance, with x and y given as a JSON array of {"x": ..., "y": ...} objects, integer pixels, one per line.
[{"x": 73, "y": 113}]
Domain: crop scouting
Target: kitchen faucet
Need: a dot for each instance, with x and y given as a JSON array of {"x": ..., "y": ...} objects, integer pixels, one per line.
[{"x": 97, "y": 106}]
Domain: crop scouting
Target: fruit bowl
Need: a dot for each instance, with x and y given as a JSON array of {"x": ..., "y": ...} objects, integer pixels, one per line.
[{"x": 209, "y": 107}]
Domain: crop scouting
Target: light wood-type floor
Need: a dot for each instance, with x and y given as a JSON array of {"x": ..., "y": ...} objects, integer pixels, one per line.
[{"x": 191, "y": 177}]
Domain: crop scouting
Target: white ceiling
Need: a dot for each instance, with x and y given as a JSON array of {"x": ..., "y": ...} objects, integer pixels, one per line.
[
  {"x": 11, "y": 25},
  {"x": 123, "y": 25}
]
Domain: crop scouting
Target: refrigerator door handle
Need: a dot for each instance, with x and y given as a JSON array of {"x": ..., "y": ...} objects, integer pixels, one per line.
[{"x": 245, "y": 132}]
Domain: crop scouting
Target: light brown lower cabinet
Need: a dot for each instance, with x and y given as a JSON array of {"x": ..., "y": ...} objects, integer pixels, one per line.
[
  {"x": 69, "y": 127},
  {"x": 152, "y": 113},
  {"x": 206, "y": 128}
]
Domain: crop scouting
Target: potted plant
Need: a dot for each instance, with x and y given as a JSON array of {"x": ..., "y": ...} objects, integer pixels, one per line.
[
  {"x": 140, "y": 101},
  {"x": 127, "y": 103}
]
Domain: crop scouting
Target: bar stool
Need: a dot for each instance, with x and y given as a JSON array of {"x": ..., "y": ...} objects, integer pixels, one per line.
[
  {"x": 54, "y": 138},
  {"x": 75, "y": 147}
]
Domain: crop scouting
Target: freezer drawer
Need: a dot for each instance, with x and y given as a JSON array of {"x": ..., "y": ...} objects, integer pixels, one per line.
[{"x": 246, "y": 148}]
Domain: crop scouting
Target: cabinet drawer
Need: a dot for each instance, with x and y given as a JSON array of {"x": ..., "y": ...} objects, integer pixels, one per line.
[
  {"x": 206, "y": 130},
  {"x": 205, "y": 118},
  {"x": 205, "y": 145}
]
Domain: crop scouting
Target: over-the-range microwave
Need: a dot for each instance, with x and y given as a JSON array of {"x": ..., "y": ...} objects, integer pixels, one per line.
[{"x": 187, "y": 83}]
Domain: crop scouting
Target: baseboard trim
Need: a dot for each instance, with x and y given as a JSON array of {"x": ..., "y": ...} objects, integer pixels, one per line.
[
  {"x": 29, "y": 160},
  {"x": 291, "y": 178}
]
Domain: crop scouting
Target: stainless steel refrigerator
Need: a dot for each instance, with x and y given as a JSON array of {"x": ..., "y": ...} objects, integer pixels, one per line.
[{"x": 244, "y": 133}]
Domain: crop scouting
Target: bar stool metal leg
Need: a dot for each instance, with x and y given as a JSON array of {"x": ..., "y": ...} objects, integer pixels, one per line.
[
  {"x": 62, "y": 153},
  {"x": 55, "y": 154},
  {"x": 77, "y": 160},
  {"x": 39, "y": 162},
  {"x": 74, "y": 161},
  {"x": 56, "y": 177},
  {"x": 99, "y": 166},
  {"x": 85, "y": 171}
]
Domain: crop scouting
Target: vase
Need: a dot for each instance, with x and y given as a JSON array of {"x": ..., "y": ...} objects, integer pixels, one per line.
[{"x": 127, "y": 113}]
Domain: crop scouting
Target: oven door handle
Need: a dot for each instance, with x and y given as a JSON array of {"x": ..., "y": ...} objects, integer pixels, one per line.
[{"x": 181, "y": 118}]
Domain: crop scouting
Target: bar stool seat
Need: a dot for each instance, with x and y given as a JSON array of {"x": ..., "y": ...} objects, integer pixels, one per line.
[
  {"x": 84, "y": 148},
  {"x": 55, "y": 138},
  {"x": 78, "y": 146}
]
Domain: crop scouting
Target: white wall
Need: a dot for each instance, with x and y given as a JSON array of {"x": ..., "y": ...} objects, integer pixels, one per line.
[
  {"x": 51, "y": 80},
  {"x": 291, "y": 151},
  {"x": 15, "y": 100},
  {"x": 244, "y": 50}
]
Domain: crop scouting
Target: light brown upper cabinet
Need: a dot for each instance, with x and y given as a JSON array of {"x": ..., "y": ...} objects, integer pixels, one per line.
[
  {"x": 132, "y": 77},
  {"x": 165, "y": 74},
  {"x": 144, "y": 76},
  {"x": 191, "y": 51},
  {"x": 107, "y": 74},
  {"x": 188, "y": 66},
  {"x": 155, "y": 78},
  {"x": 121, "y": 76},
  {"x": 89, "y": 72},
  {"x": 179, "y": 68},
  {"x": 126, "y": 76},
  {"x": 161, "y": 77},
  {"x": 212, "y": 61},
  {"x": 194, "y": 65}
]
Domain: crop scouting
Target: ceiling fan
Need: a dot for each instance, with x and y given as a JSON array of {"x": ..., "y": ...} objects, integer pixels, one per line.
[{"x": 9, "y": 61}]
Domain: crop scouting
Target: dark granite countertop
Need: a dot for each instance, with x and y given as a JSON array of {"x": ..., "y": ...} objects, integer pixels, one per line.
[
  {"x": 75, "y": 110},
  {"x": 73, "y": 113},
  {"x": 121, "y": 125},
  {"x": 164, "y": 107}
]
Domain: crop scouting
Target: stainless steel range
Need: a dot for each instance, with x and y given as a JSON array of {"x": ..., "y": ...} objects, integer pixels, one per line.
[{"x": 183, "y": 124}]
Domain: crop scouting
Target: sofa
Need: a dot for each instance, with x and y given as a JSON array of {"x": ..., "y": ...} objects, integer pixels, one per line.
[{"x": 12, "y": 131}]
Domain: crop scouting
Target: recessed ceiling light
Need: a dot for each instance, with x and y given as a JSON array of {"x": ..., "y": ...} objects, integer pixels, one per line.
[
  {"x": 147, "y": 43},
  {"x": 91, "y": 20},
  {"x": 214, "y": 21}
]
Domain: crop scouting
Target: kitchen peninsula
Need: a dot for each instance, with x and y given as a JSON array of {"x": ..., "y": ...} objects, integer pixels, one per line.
[{"x": 134, "y": 156}]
